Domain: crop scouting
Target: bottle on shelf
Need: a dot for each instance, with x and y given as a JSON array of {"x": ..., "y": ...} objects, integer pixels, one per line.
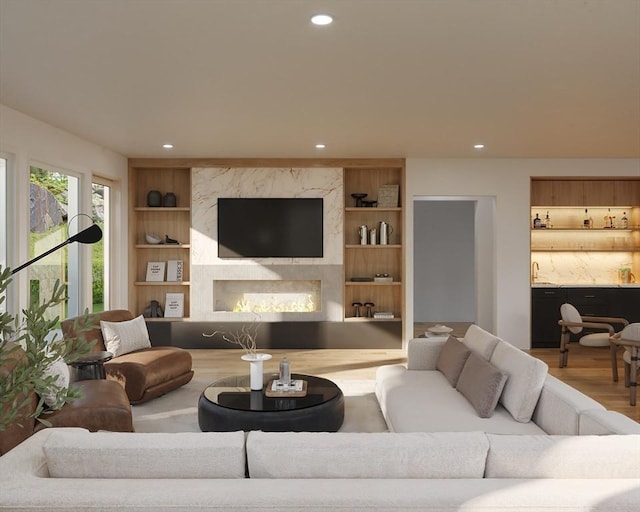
[
  {"x": 624, "y": 221},
  {"x": 586, "y": 223},
  {"x": 547, "y": 220},
  {"x": 537, "y": 222}
]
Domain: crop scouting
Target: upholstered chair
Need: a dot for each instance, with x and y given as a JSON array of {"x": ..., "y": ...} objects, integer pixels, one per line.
[
  {"x": 573, "y": 322},
  {"x": 144, "y": 371}
]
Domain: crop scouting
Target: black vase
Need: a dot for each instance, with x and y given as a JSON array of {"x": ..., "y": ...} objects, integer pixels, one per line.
[
  {"x": 154, "y": 198},
  {"x": 169, "y": 199}
]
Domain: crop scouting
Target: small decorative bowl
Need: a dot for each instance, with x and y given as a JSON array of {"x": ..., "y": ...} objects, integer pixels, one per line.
[
  {"x": 439, "y": 329},
  {"x": 152, "y": 239}
]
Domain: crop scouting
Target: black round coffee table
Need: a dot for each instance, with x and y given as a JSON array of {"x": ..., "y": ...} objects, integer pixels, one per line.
[{"x": 229, "y": 404}]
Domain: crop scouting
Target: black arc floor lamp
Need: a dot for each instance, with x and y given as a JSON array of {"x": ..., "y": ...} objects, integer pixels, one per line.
[{"x": 90, "y": 235}]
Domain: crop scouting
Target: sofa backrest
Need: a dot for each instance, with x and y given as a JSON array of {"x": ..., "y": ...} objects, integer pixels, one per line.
[
  {"x": 517, "y": 456},
  {"x": 115, "y": 315},
  {"x": 366, "y": 455}
]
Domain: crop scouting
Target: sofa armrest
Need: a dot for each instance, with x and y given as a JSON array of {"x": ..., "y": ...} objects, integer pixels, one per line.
[{"x": 423, "y": 353}]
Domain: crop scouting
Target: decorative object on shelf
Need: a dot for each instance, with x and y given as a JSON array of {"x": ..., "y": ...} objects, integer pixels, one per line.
[
  {"x": 369, "y": 204},
  {"x": 358, "y": 196},
  {"x": 362, "y": 234},
  {"x": 153, "y": 310},
  {"x": 174, "y": 305},
  {"x": 624, "y": 221},
  {"x": 168, "y": 240},
  {"x": 387, "y": 315},
  {"x": 369, "y": 306},
  {"x": 537, "y": 222},
  {"x": 152, "y": 238},
  {"x": 174, "y": 270},
  {"x": 154, "y": 198},
  {"x": 383, "y": 278},
  {"x": 155, "y": 271},
  {"x": 625, "y": 275},
  {"x": 169, "y": 200},
  {"x": 361, "y": 279},
  {"x": 373, "y": 236},
  {"x": 388, "y": 196},
  {"x": 385, "y": 232},
  {"x": 356, "y": 305}
]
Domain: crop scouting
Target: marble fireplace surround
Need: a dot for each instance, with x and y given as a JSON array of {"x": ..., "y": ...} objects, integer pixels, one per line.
[{"x": 212, "y": 278}]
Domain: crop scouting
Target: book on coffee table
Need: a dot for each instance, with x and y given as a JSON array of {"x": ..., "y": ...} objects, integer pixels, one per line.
[{"x": 276, "y": 388}]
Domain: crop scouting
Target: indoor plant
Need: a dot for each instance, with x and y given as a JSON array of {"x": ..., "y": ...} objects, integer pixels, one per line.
[{"x": 31, "y": 371}]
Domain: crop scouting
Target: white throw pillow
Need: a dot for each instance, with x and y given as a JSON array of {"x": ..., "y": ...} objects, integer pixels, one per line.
[
  {"x": 60, "y": 371},
  {"x": 124, "y": 337},
  {"x": 525, "y": 381}
]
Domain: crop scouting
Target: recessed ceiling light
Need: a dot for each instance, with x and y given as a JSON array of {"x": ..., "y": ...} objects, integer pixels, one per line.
[
  {"x": 320, "y": 146},
  {"x": 478, "y": 146},
  {"x": 321, "y": 19},
  {"x": 167, "y": 146}
]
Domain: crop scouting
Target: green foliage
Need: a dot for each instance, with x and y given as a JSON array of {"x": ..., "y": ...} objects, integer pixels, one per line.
[{"x": 30, "y": 331}]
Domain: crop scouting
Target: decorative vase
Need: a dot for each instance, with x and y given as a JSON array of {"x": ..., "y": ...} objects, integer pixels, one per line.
[
  {"x": 154, "y": 198},
  {"x": 255, "y": 369},
  {"x": 169, "y": 200}
]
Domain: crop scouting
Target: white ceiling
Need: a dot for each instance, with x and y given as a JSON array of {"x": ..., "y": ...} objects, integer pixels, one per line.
[{"x": 389, "y": 78}]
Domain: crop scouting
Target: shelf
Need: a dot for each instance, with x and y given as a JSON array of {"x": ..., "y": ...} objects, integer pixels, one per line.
[
  {"x": 371, "y": 210},
  {"x": 366, "y": 319},
  {"x": 162, "y": 209},
  {"x": 372, "y": 283},
  {"x": 162, "y": 283},
  {"x": 163, "y": 246},
  {"x": 369, "y": 246}
]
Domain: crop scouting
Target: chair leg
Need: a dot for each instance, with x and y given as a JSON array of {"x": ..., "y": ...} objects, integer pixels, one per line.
[
  {"x": 627, "y": 371},
  {"x": 564, "y": 347},
  {"x": 633, "y": 376},
  {"x": 614, "y": 361}
]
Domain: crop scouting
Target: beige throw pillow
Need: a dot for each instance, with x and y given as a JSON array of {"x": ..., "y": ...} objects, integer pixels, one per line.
[
  {"x": 124, "y": 337},
  {"x": 59, "y": 370},
  {"x": 451, "y": 359},
  {"x": 481, "y": 383}
]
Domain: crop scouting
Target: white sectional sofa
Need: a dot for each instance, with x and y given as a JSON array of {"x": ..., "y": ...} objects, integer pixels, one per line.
[
  {"x": 418, "y": 397},
  {"x": 540, "y": 448},
  {"x": 73, "y": 470}
]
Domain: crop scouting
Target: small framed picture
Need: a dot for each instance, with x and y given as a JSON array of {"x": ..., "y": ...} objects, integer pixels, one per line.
[
  {"x": 388, "y": 196},
  {"x": 155, "y": 271},
  {"x": 174, "y": 305}
]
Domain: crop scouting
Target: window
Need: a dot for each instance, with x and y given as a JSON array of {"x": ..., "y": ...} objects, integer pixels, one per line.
[
  {"x": 100, "y": 256},
  {"x": 54, "y": 198}
]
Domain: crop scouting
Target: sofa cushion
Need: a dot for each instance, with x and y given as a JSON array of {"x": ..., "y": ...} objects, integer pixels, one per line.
[
  {"x": 480, "y": 341},
  {"x": 481, "y": 383},
  {"x": 513, "y": 456},
  {"x": 59, "y": 371},
  {"x": 124, "y": 337},
  {"x": 145, "y": 455},
  {"x": 366, "y": 455},
  {"x": 452, "y": 358},
  {"x": 526, "y": 376}
]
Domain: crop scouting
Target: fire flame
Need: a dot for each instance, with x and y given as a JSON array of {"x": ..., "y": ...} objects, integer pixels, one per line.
[{"x": 274, "y": 306}]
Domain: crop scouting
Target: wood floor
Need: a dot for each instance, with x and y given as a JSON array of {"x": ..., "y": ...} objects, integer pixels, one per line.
[{"x": 589, "y": 368}]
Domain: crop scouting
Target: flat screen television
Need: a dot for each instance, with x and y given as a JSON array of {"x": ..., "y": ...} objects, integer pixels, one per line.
[{"x": 270, "y": 228}]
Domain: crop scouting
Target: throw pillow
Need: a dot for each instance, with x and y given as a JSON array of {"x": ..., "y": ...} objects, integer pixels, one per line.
[
  {"x": 451, "y": 359},
  {"x": 124, "y": 337},
  {"x": 526, "y": 378},
  {"x": 481, "y": 383},
  {"x": 59, "y": 370}
]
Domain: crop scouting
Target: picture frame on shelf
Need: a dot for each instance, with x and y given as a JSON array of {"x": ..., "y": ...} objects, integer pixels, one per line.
[
  {"x": 388, "y": 196},
  {"x": 174, "y": 270},
  {"x": 155, "y": 271},
  {"x": 174, "y": 305}
]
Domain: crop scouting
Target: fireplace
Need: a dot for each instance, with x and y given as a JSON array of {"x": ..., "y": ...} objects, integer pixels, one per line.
[{"x": 268, "y": 296}]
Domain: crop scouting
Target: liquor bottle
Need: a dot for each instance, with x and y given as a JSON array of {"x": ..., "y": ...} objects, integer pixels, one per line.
[
  {"x": 585, "y": 222},
  {"x": 547, "y": 220},
  {"x": 536, "y": 222},
  {"x": 624, "y": 221}
]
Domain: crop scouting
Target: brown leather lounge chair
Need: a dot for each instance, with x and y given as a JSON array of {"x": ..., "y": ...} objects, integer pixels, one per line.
[
  {"x": 104, "y": 406},
  {"x": 146, "y": 373}
]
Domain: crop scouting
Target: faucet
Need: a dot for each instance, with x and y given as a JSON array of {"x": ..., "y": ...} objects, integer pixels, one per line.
[{"x": 535, "y": 268}]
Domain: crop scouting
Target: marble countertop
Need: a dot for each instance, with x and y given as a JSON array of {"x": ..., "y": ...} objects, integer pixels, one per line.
[{"x": 557, "y": 285}]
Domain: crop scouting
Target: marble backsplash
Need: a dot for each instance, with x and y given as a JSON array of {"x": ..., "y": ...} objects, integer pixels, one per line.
[{"x": 580, "y": 268}]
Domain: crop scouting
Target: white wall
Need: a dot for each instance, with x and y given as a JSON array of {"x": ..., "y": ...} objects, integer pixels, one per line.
[
  {"x": 508, "y": 180},
  {"x": 25, "y": 140}
]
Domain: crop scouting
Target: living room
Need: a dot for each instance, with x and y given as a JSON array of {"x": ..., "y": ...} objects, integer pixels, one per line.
[{"x": 525, "y": 82}]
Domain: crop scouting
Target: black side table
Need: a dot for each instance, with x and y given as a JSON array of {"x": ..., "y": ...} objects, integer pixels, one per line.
[{"x": 90, "y": 366}]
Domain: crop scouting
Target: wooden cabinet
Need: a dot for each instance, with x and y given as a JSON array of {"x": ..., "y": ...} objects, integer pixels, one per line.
[
  {"x": 585, "y": 191},
  {"x": 545, "y": 313},
  {"x": 162, "y": 221},
  {"x": 368, "y": 261}
]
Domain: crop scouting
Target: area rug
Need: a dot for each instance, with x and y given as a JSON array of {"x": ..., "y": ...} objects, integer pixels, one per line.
[{"x": 177, "y": 411}]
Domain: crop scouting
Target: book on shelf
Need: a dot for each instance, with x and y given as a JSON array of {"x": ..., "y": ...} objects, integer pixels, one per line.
[
  {"x": 174, "y": 270},
  {"x": 383, "y": 314},
  {"x": 174, "y": 305},
  {"x": 155, "y": 271}
]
